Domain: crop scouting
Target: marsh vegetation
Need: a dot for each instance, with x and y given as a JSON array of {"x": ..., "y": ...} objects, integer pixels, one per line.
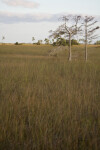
[{"x": 49, "y": 103}]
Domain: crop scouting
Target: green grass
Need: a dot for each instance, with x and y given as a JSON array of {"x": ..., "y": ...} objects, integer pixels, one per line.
[{"x": 48, "y": 103}]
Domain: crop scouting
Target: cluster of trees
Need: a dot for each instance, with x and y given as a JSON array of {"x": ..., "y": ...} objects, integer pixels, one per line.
[
  {"x": 39, "y": 42},
  {"x": 75, "y": 27},
  {"x": 97, "y": 43},
  {"x": 64, "y": 42},
  {"x": 57, "y": 42}
]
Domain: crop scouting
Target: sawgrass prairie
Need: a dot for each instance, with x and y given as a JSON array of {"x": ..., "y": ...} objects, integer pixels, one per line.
[{"x": 47, "y": 102}]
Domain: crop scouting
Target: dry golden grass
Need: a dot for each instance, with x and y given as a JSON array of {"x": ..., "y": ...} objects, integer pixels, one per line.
[{"x": 49, "y": 104}]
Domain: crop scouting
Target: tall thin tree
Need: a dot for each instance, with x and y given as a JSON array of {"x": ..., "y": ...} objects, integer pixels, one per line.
[
  {"x": 89, "y": 24},
  {"x": 69, "y": 29}
]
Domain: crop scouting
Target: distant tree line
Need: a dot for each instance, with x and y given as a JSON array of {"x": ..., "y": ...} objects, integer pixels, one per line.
[
  {"x": 97, "y": 43},
  {"x": 64, "y": 42}
]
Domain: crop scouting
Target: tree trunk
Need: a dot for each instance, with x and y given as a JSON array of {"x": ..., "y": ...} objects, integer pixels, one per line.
[
  {"x": 86, "y": 40},
  {"x": 86, "y": 51},
  {"x": 70, "y": 54}
]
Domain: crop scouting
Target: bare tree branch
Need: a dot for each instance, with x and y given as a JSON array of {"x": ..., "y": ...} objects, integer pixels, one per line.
[{"x": 90, "y": 29}]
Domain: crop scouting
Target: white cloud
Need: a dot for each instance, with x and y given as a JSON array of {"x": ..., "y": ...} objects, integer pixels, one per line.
[
  {"x": 22, "y": 3},
  {"x": 9, "y": 17}
]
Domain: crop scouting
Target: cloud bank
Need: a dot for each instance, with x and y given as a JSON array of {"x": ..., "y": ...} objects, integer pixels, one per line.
[
  {"x": 22, "y": 3},
  {"x": 9, "y": 17}
]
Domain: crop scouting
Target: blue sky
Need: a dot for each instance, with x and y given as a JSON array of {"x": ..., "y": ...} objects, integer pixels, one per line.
[{"x": 22, "y": 19}]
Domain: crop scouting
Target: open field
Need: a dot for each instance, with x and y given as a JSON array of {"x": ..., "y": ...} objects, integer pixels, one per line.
[{"x": 46, "y": 102}]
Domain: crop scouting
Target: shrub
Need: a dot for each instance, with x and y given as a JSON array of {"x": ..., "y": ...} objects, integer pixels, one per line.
[
  {"x": 97, "y": 43},
  {"x": 16, "y": 43}
]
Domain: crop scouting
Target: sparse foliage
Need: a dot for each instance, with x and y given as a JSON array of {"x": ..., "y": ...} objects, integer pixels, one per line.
[
  {"x": 97, "y": 43},
  {"x": 3, "y": 38},
  {"x": 33, "y": 39},
  {"x": 69, "y": 29},
  {"x": 46, "y": 41},
  {"x": 90, "y": 28},
  {"x": 39, "y": 42}
]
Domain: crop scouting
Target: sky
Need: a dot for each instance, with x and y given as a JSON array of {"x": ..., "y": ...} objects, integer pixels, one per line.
[{"x": 20, "y": 20}]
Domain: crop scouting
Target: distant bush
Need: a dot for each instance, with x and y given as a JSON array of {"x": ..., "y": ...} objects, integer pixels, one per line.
[
  {"x": 97, "y": 43},
  {"x": 16, "y": 43},
  {"x": 54, "y": 44},
  {"x": 19, "y": 43},
  {"x": 38, "y": 43},
  {"x": 62, "y": 41},
  {"x": 73, "y": 42}
]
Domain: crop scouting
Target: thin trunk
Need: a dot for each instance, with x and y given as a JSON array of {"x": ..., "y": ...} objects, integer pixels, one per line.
[
  {"x": 86, "y": 40},
  {"x": 70, "y": 54},
  {"x": 2, "y": 42}
]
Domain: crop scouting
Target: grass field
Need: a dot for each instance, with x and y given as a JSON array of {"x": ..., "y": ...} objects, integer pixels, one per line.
[{"x": 48, "y": 103}]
